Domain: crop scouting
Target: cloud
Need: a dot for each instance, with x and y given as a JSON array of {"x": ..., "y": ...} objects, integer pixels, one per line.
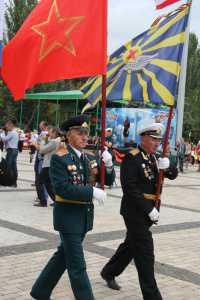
[{"x": 128, "y": 18}]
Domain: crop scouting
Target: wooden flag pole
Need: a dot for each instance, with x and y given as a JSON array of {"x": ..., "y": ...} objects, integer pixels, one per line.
[
  {"x": 164, "y": 154},
  {"x": 180, "y": 107},
  {"x": 103, "y": 127}
]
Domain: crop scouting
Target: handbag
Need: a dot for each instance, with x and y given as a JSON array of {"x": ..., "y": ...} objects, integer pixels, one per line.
[{"x": 6, "y": 176}]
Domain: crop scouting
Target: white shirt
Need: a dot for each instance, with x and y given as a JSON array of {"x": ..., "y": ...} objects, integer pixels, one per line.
[
  {"x": 78, "y": 153},
  {"x": 34, "y": 137},
  {"x": 11, "y": 139}
]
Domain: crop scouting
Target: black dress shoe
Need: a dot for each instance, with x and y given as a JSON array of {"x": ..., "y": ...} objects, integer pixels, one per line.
[
  {"x": 14, "y": 185},
  {"x": 111, "y": 282},
  {"x": 36, "y": 298},
  {"x": 39, "y": 299},
  {"x": 40, "y": 205}
]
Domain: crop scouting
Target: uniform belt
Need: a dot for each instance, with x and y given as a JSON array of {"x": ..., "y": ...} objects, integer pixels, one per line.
[
  {"x": 150, "y": 197},
  {"x": 63, "y": 200}
]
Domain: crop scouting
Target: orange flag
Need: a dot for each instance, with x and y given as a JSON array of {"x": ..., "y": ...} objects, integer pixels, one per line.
[{"x": 60, "y": 39}]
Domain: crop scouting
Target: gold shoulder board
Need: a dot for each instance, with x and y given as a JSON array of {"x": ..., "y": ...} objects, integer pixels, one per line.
[
  {"x": 62, "y": 152},
  {"x": 88, "y": 152},
  {"x": 135, "y": 151}
]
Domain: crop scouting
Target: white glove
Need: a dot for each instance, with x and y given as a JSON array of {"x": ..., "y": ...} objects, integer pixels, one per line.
[
  {"x": 107, "y": 158},
  {"x": 163, "y": 163},
  {"x": 1, "y": 156},
  {"x": 99, "y": 195},
  {"x": 154, "y": 215}
]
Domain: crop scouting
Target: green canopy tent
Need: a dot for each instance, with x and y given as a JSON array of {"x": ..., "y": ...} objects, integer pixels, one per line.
[{"x": 58, "y": 97}]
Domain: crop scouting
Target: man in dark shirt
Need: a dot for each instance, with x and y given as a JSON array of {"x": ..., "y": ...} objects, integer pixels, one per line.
[{"x": 139, "y": 174}]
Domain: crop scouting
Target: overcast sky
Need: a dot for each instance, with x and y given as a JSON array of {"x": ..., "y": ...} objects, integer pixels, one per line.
[{"x": 128, "y": 18}]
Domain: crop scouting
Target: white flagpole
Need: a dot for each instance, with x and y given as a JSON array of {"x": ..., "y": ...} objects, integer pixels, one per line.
[
  {"x": 182, "y": 82},
  {"x": 2, "y": 11}
]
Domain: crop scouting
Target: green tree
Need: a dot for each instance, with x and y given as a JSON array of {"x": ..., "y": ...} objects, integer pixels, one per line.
[
  {"x": 192, "y": 97},
  {"x": 16, "y": 13}
]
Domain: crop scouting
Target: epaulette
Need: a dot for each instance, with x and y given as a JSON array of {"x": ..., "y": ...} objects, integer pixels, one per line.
[
  {"x": 62, "y": 151},
  {"x": 88, "y": 152},
  {"x": 134, "y": 151}
]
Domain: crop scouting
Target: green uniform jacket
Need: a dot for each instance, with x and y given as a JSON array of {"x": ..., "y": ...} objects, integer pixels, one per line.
[{"x": 70, "y": 180}]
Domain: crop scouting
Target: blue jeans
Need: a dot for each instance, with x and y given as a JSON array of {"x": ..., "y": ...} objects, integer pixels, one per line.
[{"x": 11, "y": 159}]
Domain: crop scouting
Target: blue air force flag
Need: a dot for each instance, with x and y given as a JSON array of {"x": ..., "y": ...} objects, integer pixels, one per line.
[{"x": 147, "y": 68}]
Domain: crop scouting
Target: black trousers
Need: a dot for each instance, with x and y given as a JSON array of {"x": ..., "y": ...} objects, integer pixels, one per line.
[
  {"x": 11, "y": 159},
  {"x": 1, "y": 145},
  {"x": 45, "y": 179},
  {"x": 138, "y": 246},
  {"x": 181, "y": 163},
  {"x": 40, "y": 188}
]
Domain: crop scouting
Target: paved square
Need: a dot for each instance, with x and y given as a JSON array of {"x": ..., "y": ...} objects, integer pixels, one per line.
[{"x": 27, "y": 240}]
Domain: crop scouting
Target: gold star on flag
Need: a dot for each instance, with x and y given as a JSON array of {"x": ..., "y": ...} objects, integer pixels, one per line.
[{"x": 55, "y": 32}]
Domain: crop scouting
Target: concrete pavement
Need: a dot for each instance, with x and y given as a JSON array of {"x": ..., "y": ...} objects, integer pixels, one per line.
[{"x": 27, "y": 240}]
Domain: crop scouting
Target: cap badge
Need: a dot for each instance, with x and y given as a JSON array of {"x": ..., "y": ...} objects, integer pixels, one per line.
[
  {"x": 85, "y": 125},
  {"x": 74, "y": 168},
  {"x": 158, "y": 131}
]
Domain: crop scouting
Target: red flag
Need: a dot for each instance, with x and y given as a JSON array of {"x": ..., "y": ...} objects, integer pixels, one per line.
[
  {"x": 1, "y": 47},
  {"x": 60, "y": 39},
  {"x": 163, "y": 3}
]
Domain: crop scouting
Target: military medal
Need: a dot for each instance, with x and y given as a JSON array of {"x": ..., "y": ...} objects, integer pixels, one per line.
[
  {"x": 79, "y": 179},
  {"x": 145, "y": 157},
  {"x": 69, "y": 168},
  {"x": 146, "y": 173},
  {"x": 93, "y": 164},
  {"x": 75, "y": 179},
  {"x": 74, "y": 168}
]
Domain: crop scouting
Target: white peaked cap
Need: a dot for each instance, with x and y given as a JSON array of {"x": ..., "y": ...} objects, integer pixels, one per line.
[{"x": 155, "y": 130}]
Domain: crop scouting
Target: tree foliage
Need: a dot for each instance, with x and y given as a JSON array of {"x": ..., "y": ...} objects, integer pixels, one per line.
[
  {"x": 16, "y": 13},
  {"x": 192, "y": 96}
]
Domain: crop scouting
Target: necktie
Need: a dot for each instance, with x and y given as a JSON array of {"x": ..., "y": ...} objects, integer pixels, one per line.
[{"x": 83, "y": 162}]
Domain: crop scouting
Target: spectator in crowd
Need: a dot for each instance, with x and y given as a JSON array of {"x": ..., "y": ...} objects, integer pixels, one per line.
[
  {"x": 188, "y": 149},
  {"x": 10, "y": 139},
  {"x": 42, "y": 195},
  {"x": 109, "y": 141},
  {"x": 22, "y": 138},
  {"x": 47, "y": 149},
  {"x": 126, "y": 131},
  {"x": 198, "y": 155},
  {"x": 193, "y": 154},
  {"x": 1, "y": 142},
  {"x": 181, "y": 154},
  {"x": 33, "y": 139}
]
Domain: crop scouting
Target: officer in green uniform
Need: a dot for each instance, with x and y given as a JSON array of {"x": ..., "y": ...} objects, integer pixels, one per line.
[
  {"x": 73, "y": 176},
  {"x": 139, "y": 173}
]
